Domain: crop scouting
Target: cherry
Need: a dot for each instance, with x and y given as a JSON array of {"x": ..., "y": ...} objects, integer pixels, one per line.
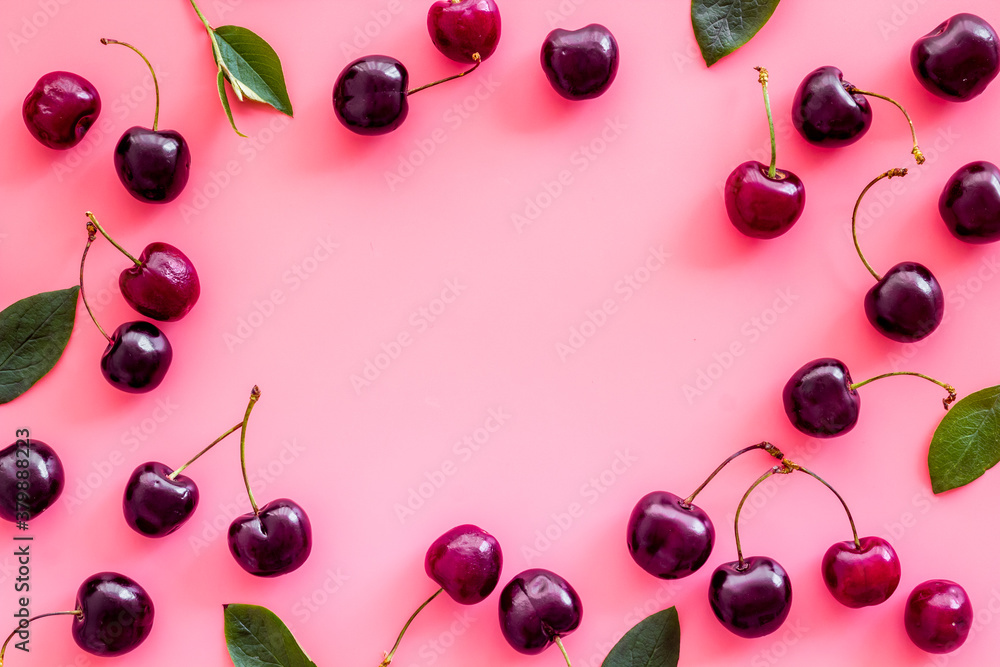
[
  {"x": 752, "y": 597},
  {"x": 580, "y": 64},
  {"x": 537, "y": 609},
  {"x": 669, "y": 537},
  {"x": 762, "y": 201},
  {"x": 60, "y": 109},
  {"x": 938, "y": 616},
  {"x": 31, "y": 479},
  {"x": 970, "y": 203},
  {"x": 462, "y": 28},
  {"x": 116, "y": 615},
  {"x": 466, "y": 562},
  {"x": 152, "y": 164},
  {"x": 162, "y": 283},
  {"x": 370, "y": 96},
  {"x": 137, "y": 357},
  {"x": 861, "y": 573},
  {"x": 958, "y": 59}
]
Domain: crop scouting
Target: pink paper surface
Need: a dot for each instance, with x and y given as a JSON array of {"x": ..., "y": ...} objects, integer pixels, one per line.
[{"x": 514, "y": 311}]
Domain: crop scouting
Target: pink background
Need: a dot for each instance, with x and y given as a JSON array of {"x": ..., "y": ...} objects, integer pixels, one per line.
[{"x": 312, "y": 263}]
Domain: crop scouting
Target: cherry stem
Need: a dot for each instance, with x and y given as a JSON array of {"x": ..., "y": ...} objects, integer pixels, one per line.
[
  {"x": 854, "y": 529},
  {"x": 91, "y": 235},
  {"x": 783, "y": 469},
  {"x": 156, "y": 85},
  {"x": 24, "y": 623},
  {"x": 947, "y": 387},
  {"x": 768, "y": 447},
  {"x": 854, "y": 216},
  {"x": 203, "y": 20},
  {"x": 558, "y": 640},
  {"x": 917, "y": 153},
  {"x": 763, "y": 79},
  {"x": 388, "y": 656},
  {"x": 254, "y": 395},
  {"x": 475, "y": 56},
  {"x": 111, "y": 240},
  {"x": 197, "y": 456}
]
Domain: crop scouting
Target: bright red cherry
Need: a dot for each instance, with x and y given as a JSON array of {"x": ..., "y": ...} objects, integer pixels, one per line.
[
  {"x": 466, "y": 562},
  {"x": 461, "y": 28},
  {"x": 60, "y": 109},
  {"x": 861, "y": 576},
  {"x": 938, "y": 616}
]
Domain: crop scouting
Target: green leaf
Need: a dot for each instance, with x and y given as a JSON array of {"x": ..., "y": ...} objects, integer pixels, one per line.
[
  {"x": 256, "y": 637},
  {"x": 252, "y": 67},
  {"x": 655, "y": 641},
  {"x": 967, "y": 441},
  {"x": 225, "y": 102},
  {"x": 722, "y": 26},
  {"x": 33, "y": 334}
]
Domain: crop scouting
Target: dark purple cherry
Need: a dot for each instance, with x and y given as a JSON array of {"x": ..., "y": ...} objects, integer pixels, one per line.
[
  {"x": 461, "y": 28},
  {"x": 970, "y": 203},
  {"x": 861, "y": 576},
  {"x": 762, "y": 206},
  {"x": 537, "y": 608},
  {"x": 580, "y": 64},
  {"x": 369, "y": 97},
  {"x": 906, "y": 304},
  {"x": 751, "y": 600},
  {"x": 275, "y": 540},
  {"x": 668, "y": 538},
  {"x": 466, "y": 562},
  {"x": 31, "y": 479},
  {"x": 958, "y": 59},
  {"x": 60, "y": 109},
  {"x": 938, "y": 616},
  {"x": 156, "y": 504},
  {"x": 820, "y": 400},
  {"x": 137, "y": 357},
  {"x": 117, "y": 615},
  {"x": 826, "y": 114}
]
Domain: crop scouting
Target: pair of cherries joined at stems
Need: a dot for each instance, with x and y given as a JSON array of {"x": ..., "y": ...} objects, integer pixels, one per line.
[{"x": 670, "y": 538}]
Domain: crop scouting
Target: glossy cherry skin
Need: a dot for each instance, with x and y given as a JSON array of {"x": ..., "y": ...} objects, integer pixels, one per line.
[
  {"x": 137, "y": 358},
  {"x": 668, "y": 539},
  {"x": 762, "y": 207},
  {"x": 42, "y": 471},
  {"x": 369, "y": 97},
  {"x": 970, "y": 203},
  {"x": 819, "y": 400},
  {"x": 907, "y": 304},
  {"x": 536, "y": 607},
  {"x": 938, "y": 616},
  {"x": 751, "y": 602},
  {"x": 580, "y": 64},
  {"x": 274, "y": 542},
  {"x": 466, "y": 562},
  {"x": 164, "y": 286},
  {"x": 153, "y": 166},
  {"x": 825, "y": 114},
  {"x": 117, "y": 615},
  {"x": 861, "y": 577},
  {"x": 460, "y": 28},
  {"x": 958, "y": 59},
  {"x": 155, "y": 505},
  {"x": 60, "y": 109}
]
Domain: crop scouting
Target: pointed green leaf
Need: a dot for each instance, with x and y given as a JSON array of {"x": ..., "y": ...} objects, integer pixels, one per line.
[
  {"x": 33, "y": 334},
  {"x": 252, "y": 67},
  {"x": 225, "y": 102},
  {"x": 967, "y": 441},
  {"x": 256, "y": 637},
  {"x": 655, "y": 641},
  {"x": 722, "y": 26}
]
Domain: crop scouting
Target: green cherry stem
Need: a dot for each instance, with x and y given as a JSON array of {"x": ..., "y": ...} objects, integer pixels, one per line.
[
  {"x": 854, "y": 216},
  {"x": 475, "y": 56},
  {"x": 156, "y": 85},
  {"x": 917, "y": 153},
  {"x": 24, "y": 623},
  {"x": 203, "y": 20},
  {"x": 558, "y": 641},
  {"x": 254, "y": 395},
  {"x": 762, "y": 78},
  {"x": 783, "y": 469},
  {"x": 392, "y": 652},
  {"x": 948, "y": 400},
  {"x": 125, "y": 252},
  {"x": 766, "y": 446},
  {"x": 854, "y": 529},
  {"x": 91, "y": 235},
  {"x": 197, "y": 456}
]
